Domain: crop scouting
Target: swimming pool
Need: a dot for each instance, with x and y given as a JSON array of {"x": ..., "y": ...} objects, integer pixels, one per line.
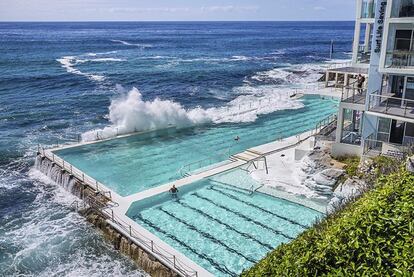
[
  {"x": 222, "y": 228},
  {"x": 133, "y": 164}
]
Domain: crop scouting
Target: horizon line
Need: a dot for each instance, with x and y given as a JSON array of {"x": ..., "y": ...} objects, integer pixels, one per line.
[{"x": 103, "y": 21}]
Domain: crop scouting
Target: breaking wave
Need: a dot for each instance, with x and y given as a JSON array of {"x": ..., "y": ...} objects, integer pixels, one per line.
[
  {"x": 263, "y": 93},
  {"x": 130, "y": 113}
]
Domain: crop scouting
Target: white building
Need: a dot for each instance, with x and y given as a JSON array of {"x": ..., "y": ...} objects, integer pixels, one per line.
[{"x": 379, "y": 119}]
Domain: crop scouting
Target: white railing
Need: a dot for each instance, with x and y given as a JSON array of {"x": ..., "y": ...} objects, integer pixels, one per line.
[
  {"x": 86, "y": 179},
  {"x": 340, "y": 65},
  {"x": 164, "y": 256}
]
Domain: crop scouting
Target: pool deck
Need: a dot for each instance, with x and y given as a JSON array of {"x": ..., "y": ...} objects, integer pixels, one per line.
[{"x": 119, "y": 205}]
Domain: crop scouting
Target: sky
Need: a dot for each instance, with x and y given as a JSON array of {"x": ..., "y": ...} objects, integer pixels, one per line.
[{"x": 175, "y": 10}]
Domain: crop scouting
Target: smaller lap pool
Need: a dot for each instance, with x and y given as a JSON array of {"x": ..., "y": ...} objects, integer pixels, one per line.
[{"x": 221, "y": 227}]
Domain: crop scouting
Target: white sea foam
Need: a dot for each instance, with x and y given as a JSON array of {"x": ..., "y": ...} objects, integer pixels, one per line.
[
  {"x": 106, "y": 60},
  {"x": 294, "y": 74},
  {"x": 140, "y": 45},
  {"x": 130, "y": 112},
  {"x": 45, "y": 238},
  {"x": 69, "y": 62}
]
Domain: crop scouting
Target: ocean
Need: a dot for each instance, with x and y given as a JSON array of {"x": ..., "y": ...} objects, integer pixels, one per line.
[{"x": 63, "y": 81}]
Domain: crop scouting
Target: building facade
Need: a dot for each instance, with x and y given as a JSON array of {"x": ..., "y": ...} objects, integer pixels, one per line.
[{"x": 379, "y": 118}]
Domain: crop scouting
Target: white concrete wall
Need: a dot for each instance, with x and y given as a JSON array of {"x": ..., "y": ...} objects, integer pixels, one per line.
[{"x": 342, "y": 149}]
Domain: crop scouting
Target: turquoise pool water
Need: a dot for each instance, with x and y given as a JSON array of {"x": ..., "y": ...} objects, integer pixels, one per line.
[
  {"x": 220, "y": 227},
  {"x": 133, "y": 164}
]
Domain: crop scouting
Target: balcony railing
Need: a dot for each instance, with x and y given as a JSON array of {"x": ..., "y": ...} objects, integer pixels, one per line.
[
  {"x": 391, "y": 105},
  {"x": 376, "y": 147},
  {"x": 352, "y": 94},
  {"x": 399, "y": 59}
]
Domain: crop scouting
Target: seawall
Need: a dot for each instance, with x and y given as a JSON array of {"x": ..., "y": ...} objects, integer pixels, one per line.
[{"x": 90, "y": 211}]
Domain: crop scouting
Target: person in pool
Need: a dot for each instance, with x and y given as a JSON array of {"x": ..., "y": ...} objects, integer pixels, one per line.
[{"x": 174, "y": 191}]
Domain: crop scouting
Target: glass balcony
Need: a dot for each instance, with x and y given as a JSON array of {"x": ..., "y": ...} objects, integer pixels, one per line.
[
  {"x": 391, "y": 105},
  {"x": 403, "y": 8},
  {"x": 368, "y": 9},
  {"x": 401, "y": 59},
  {"x": 353, "y": 94}
]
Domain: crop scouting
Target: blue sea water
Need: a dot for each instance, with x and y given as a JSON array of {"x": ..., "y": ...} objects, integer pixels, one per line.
[{"x": 57, "y": 80}]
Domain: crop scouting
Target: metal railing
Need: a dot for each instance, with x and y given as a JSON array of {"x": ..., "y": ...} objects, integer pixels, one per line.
[
  {"x": 399, "y": 59},
  {"x": 353, "y": 94},
  {"x": 391, "y": 105},
  {"x": 374, "y": 147},
  {"x": 187, "y": 169},
  {"x": 170, "y": 260},
  {"x": 324, "y": 123},
  {"x": 64, "y": 165}
]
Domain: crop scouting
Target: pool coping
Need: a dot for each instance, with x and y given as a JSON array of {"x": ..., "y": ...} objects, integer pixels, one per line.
[{"x": 121, "y": 204}]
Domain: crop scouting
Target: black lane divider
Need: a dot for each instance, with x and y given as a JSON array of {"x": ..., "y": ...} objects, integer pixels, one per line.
[
  {"x": 258, "y": 207},
  {"x": 277, "y": 232},
  {"x": 221, "y": 268},
  {"x": 268, "y": 246},
  {"x": 207, "y": 235}
]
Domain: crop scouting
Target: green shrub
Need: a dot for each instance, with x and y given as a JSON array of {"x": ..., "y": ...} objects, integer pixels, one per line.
[
  {"x": 374, "y": 236},
  {"x": 351, "y": 167}
]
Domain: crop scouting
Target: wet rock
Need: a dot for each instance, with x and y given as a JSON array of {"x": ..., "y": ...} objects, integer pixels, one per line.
[
  {"x": 351, "y": 188},
  {"x": 324, "y": 181}
]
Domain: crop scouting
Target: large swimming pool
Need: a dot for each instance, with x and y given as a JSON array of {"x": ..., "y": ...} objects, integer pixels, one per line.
[
  {"x": 132, "y": 164},
  {"x": 221, "y": 227}
]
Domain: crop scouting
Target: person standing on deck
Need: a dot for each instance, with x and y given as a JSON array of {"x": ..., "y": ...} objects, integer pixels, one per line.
[{"x": 360, "y": 83}]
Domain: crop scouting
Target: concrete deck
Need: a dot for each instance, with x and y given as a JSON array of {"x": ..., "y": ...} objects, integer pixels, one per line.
[{"x": 120, "y": 205}]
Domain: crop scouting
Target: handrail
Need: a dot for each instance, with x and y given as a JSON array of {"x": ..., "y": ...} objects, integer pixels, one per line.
[
  {"x": 149, "y": 244},
  {"x": 355, "y": 92},
  {"x": 210, "y": 160},
  {"x": 325, "y": 122},
  {"x": 91, "y": 182}
]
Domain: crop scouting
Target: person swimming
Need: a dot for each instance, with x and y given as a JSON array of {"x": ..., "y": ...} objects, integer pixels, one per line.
[
  {"x": 237, "y": 138},
  {"x": 174, "y": 191}
]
